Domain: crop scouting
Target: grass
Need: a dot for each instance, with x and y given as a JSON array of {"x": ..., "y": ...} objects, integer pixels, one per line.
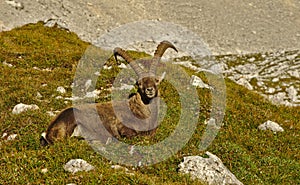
[{"x": 255, "y": 157}]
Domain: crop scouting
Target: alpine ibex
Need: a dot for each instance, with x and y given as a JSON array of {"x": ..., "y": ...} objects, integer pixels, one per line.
[{"x": 137, "y": 116}]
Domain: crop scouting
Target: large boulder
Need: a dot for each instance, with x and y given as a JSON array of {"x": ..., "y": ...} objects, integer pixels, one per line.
[{"x": 209, "y": 170}]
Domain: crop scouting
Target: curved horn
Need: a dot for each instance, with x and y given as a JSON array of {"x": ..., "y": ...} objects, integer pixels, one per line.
[
  {"x": 122, "y": 53},
  {"x": 160, "y": 50},
  {"x": 162, "y": 47}
]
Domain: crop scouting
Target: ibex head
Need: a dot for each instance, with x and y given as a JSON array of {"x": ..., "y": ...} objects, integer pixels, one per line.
[{"x": 147, "y": 80}]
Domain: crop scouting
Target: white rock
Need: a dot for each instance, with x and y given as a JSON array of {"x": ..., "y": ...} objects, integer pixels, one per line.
[
  {"x": 294, "y": 73},
  {"x": 292, "y": 92},
  {"x": 270, "y": 125},
  {"x": 4, "y": 135},
  {"x": 251, "y": 59},
  {"x": 197, "y": 82},
  {"x": 52, "y": 114},
  {"x": 208, "y": 170},
  {"x": 23, "y": 108},
  {"x": 61, "y": 90},
  {"x": 118, "y": 167},
  {"x": 88, "y": 84},
  {"x": 275, "y": 80},
  {"x": 7, "y": 64},
  {"x": 107, "y": 67},
  {"x": 271, "y": 90},
  {"x": 291, "y": 57},
  {"x": 245, "y": 83},
  {"x": 38, "y": 95},
  {"x": 122, "y": 66},
  {"x": 12, "y": 137},
  {"x": 73, "y": 98},
  {"x": 7, "y": 137},
  {"x": 15, "y": 4},
  {"x": 260, "y": 83},
  {"x": 93, "y": 94},
  {"x": 44, "y": 170},
  {"x": 76, "y": 165}
]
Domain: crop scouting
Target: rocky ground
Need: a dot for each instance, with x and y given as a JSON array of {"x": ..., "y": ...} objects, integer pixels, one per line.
[{"x": 226, "y": 27}]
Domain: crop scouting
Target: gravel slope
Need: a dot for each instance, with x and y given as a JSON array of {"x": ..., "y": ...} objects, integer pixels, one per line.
[{"x": 227, "y": 26}]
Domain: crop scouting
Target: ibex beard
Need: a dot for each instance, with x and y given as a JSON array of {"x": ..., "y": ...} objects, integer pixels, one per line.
[{"x": 137, "y": 116}]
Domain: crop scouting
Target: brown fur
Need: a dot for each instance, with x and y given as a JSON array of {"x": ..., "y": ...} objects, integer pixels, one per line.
[{"x": 139, "y": 104}]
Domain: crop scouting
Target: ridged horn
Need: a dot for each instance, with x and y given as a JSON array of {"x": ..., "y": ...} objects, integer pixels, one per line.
[
  {"x": 162, "y": 47},
  {"x": 160, "y": 50},
  {"x": 122, "y": 53}
]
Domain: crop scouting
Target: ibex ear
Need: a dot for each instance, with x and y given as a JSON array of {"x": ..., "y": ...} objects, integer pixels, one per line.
[{"x": 139, "y": 83}]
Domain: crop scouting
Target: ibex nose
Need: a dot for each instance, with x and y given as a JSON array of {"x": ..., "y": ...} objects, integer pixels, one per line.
[{"x": 149, "y": 89}]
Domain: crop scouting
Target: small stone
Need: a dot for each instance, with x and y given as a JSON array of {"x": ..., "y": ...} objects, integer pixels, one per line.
[
  {"x": 270, "y": 125},
  {"x": 122, "y": 66},
  {"x": 118, "y": 167},
  {"x": 245, "y": 83},
  {"x": 23, "y": 108},
  {"x": 61, "y": 90},
  {"x": 16, "y": 5},
  {"x": 58, "y": 97},
  {"x": 275, "y": 80},
  {"x": 12, "y": 137},
  {"x": 38, "y": 95},
  {"x": 88, "y": 84},
  {"x": 197, "y": 82},
  {"x": 294, "y": 73},
  {"x": 271, "y": 90},
  {"x": 292, "y": 93},
  {"x": 107, "y": 67},
  {"x": 44, "y": 170},
  {"x": 7, "y": 137},
  {"x": 51, "y": 113},
  {"x": 7, "y": 64},
  {"x": 252, "y": 59},
  {"x": 291, "y": 57},
  {"x": 76, "y": 165},
  {"x": 4, "y": 135}
]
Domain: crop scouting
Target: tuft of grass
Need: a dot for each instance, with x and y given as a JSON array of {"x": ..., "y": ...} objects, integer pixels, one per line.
[{"x": 255, "y": 157}]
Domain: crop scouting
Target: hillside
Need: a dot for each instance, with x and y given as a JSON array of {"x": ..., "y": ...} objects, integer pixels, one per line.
[{"x": 35, "y": 60}]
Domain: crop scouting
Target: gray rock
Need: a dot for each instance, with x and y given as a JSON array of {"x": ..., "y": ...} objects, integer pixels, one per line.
[
  {"x": 244, "y": 82},
  {"x": 292, "y": 93},
  {"x": 10, "y": 137},
  {"x": 19, "y": 108},
  {"x": 61, "y": 90},
  {"x": 76, "y": 165},
  {"x": 16, "y": 5},
  {"x": 197, "y": 82},
  {"x": 270, "y": 125},
  {"x": 208, "y": 170}
]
